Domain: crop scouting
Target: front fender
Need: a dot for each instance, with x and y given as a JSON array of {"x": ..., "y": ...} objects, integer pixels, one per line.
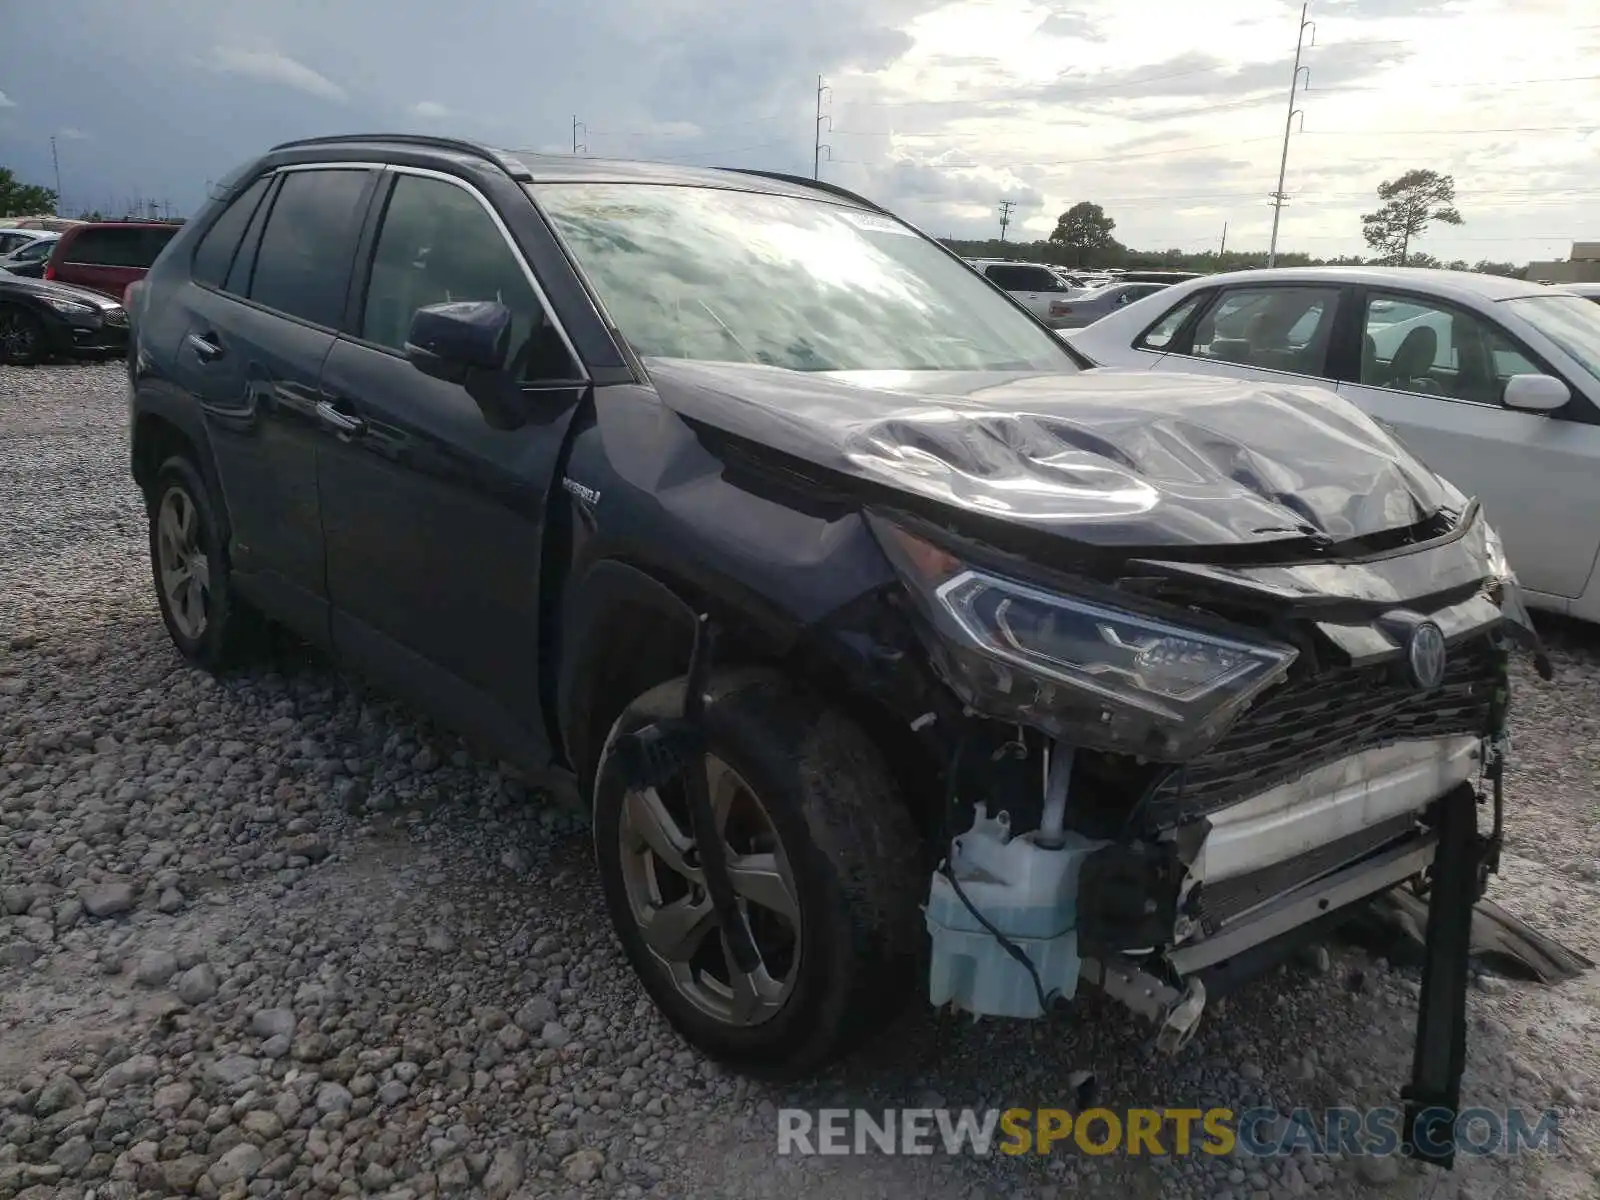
[{"x": 665, "y": 528}]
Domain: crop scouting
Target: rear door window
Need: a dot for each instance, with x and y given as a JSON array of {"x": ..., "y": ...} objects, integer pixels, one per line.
[
  {"x": 215, "y": 253},
  {"x": 1275, "y": 328},
  {"x": 303, "y": 265}
]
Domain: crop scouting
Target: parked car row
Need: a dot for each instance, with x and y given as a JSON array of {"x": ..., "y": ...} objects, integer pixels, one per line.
[
  {"x": 1066, "y": 299},
  {"x": 61, "y": 292}
]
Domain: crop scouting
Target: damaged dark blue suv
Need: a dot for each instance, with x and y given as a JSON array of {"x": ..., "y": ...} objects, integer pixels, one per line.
[{"x": 886, "y": 641}]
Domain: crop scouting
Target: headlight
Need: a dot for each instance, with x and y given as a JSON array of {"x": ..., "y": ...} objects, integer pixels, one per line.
[
  {"x": 1078, "y": 667},
  {"x": 75, "y": 308}
]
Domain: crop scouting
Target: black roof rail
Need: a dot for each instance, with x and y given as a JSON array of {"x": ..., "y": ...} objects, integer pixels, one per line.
[
  {"x": 822, "y": 185},
  {"x": 506, "y": 162}
]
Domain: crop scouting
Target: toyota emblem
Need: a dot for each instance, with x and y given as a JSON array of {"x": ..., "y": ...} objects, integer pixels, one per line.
[{"x": 1425, "y": 653}]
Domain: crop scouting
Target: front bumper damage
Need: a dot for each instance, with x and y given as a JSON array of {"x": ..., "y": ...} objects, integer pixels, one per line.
[{"x": 1332, "y": 788}]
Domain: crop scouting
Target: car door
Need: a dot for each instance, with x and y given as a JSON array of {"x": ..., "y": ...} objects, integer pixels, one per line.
[
  {"x": 1280, "y": 332},
  {"x": 433, "y": 506},
  {"x": 1435, "y": 373},
  {"x": 269, "y": 280}
]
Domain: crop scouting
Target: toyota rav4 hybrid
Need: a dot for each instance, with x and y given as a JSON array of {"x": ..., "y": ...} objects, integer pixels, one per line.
[{"x": 889, "y": 645}]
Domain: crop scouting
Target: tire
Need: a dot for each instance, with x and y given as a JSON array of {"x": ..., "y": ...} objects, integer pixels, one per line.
[
  {"x": 853, "y": 857},
  {"x": 24, "y": 341},
  {"x": 228, "y": 631}
]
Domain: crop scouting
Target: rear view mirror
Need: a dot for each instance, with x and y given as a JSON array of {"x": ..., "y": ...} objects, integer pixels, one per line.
[
  {"x": 449, "y": 341},
  {"x": 1536, "y": 393}
]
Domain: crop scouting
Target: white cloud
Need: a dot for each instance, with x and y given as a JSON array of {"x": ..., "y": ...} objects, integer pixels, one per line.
[
  {"x": 6, "y": 101},
  {"x": 271, "y": 67},
  {"x": 1170, "y": 115},
  {"x": 71, "y": 133},
  {"x": 429, "y": 109}
]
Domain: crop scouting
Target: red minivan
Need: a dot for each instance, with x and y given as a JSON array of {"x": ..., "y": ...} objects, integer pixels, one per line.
[{"x": 108, "y": 255}]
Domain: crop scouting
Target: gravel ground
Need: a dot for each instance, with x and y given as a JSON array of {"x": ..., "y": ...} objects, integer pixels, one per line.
[{"x": 275, "y": 935}]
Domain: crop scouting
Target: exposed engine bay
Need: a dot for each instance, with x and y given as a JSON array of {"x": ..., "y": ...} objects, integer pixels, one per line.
[{"x": 1204, "y": 796}]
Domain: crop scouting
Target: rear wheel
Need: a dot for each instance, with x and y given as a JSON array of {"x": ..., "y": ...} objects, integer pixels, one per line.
[
  {"x": 823, "y": 857},
  {"x": 209, "y": 624},
  {"x": 23, "y": 339}
]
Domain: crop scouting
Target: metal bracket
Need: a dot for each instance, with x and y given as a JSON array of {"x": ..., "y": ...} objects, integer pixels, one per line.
[
  {"x": 676, "y": 749},
  {"x": 1433, "y": 1097},
  {"x": 1176, "y": 1013}
]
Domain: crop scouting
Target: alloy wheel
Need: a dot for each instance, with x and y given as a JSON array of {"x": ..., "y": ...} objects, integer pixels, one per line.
[
  {"x": 668, "y": 899},
  {"x": 185, "y": 570},
  {"x": 19, "y": 336}
]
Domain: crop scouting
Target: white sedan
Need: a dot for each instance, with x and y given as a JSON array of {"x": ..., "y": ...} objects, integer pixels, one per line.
[{"x": 1494, "y": 382}]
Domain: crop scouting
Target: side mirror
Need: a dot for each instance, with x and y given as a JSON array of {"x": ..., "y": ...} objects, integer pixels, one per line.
[
  {"x": 1536, "y": 393},
  {"x": 450, "y": 341}
]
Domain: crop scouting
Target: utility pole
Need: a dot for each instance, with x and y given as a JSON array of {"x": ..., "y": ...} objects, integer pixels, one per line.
[
  {"x": 55, "y": 161},
  {"x": 818, "y": 145},
  {"x": 1279, "y": 197},
  {"x": 1223, "y": 249},
  {"x": 1005, "y": 216},
  {"x": 577, "y": 146}
]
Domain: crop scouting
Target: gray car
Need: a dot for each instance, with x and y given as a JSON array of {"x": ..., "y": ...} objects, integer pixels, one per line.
[{"x": 1088, "y": 307}]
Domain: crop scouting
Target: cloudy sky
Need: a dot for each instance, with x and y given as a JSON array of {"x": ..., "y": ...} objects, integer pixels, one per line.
[{"x": 1170, "y": 113}]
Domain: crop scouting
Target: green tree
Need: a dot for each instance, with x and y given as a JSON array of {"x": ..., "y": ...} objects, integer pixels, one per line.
[
  {"x": 1085, "y": 229},
  {"x": 23, "y": 199},
  {"x": 1411, "y": 203}
]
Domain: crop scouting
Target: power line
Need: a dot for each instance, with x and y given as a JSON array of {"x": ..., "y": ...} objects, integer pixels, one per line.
[
  {"x": 1005, "y": 216},
  {"x": 579, "y": 147}
]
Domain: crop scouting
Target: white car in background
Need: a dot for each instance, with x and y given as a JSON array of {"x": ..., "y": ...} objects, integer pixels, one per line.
[
  {"x": 1494, "y": 382},
  {"x": 1033, "y": 285}
]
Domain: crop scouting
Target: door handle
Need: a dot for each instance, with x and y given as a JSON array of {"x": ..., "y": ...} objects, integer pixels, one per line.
[
  {"x": 339, "y": 422},
  {"x": 204, "y": 345}
]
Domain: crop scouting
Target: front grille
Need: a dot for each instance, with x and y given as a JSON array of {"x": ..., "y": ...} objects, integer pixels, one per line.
[
  {"x": 116, "y": 316},
  {"x": 1228, "y": 899},
  {"x": 1305, "y": 723}
]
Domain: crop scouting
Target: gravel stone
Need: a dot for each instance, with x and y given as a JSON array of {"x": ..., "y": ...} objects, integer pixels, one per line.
[
  {"x": 334, "y": 1098},
  {"x": 62, "y": 1092},
  {"x": 132, "y": 1071},
  {"x": 108, "y": 899},
  {"x": 239, "y": 1164},
  {"x": 272, "y": 1022},
  {"x": 155, "y": 967},
  {"x": 197, "y": 985}
]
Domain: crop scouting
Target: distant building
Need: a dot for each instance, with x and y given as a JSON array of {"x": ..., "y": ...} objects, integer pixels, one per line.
[{"x": 1582, "y": 267}]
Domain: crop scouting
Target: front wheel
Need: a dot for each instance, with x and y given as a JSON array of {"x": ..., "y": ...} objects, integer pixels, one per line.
[
  {"x": 824, "y": 861},
  {"x": 208, "y": 623},
  {"x": 23, "y": 339}
]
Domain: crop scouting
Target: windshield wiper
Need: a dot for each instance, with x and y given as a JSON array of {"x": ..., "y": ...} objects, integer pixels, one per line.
[{"x": 732, "y": 336}]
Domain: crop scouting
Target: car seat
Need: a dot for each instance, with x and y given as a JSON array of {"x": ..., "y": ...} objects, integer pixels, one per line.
[{"x": 1411, "y": 367}]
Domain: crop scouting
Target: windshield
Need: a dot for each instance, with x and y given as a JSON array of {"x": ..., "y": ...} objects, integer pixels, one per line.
[
  {"x": 729, "y": 276},
  {"x": 1571, "y": 322}
]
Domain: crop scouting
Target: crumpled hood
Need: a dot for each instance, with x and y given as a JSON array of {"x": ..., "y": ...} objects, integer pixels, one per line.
[{"x": 1109, "y": 459}]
